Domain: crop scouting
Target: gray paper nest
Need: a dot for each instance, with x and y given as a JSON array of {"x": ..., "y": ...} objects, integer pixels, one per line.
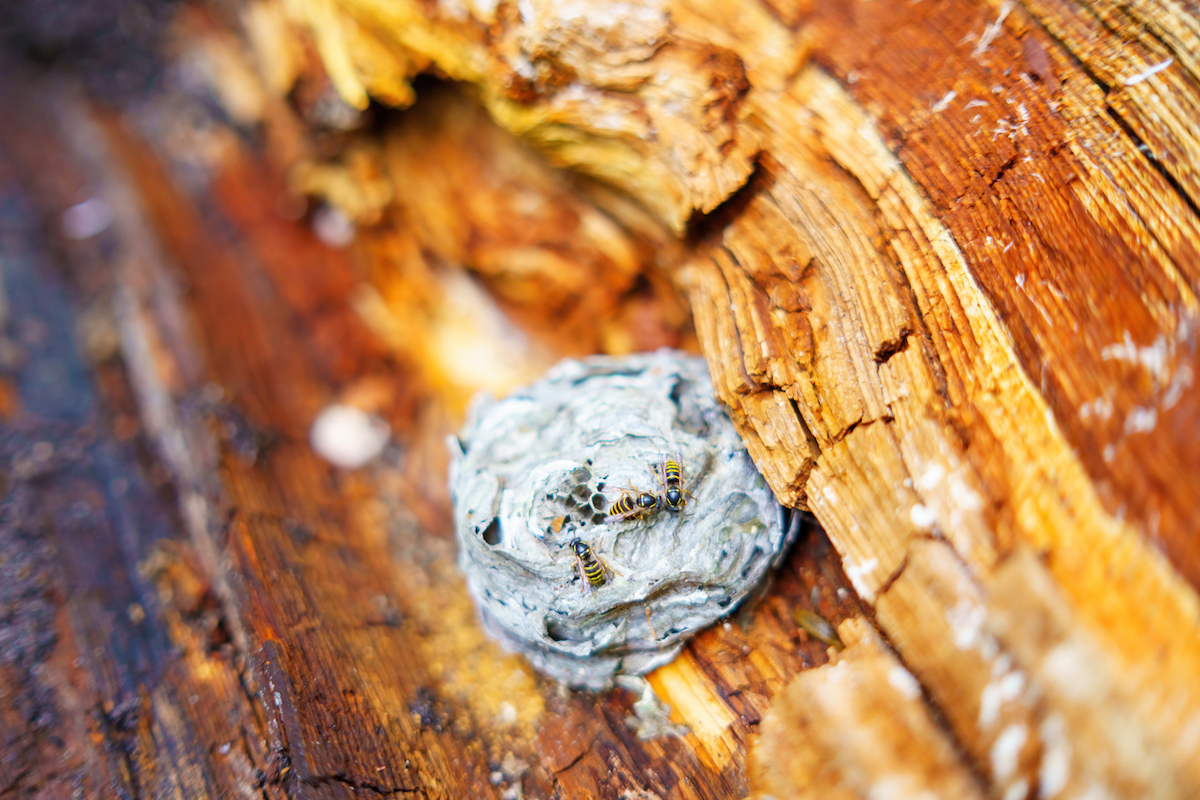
[{"x": 540, "y": 468}]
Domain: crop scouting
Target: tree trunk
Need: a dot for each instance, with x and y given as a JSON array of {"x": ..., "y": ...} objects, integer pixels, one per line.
[{"x": 941, "y": 257}]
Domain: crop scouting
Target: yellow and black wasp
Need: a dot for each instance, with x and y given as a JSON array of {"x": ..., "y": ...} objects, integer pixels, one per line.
[
  {"x": 633, "y": 505},
  {"x": 671, "y": 478},
  {"x": 592, "y": 568}
]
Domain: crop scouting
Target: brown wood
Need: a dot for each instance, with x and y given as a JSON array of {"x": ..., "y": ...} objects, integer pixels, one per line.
[
  {"x": 942, "y": 260},
  {"x": 876, "y": 700},
  {"x": 345, "y": 641}
]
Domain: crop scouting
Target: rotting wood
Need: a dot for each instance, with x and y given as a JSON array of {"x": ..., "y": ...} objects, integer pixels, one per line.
[
  {"x": 952, "y": 309},
  {"x": 954, "y": 271},
  {"x": 119, "y": 677},
  {"x": 348, "y": 608},
  {"x": 857, "y": 727}
]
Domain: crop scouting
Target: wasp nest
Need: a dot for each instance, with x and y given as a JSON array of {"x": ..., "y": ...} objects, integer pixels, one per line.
[{"x": 586, "y": 590}]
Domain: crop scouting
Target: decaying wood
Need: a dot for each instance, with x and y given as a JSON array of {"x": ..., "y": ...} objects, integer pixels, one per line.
[
  {"x": 352, "y": 660},
  {"x": 956, "y": 297},
  {"x": 854, "y": 728},
  {"x": 942, "y": 260},
  {"x": 118, "y": 677}
]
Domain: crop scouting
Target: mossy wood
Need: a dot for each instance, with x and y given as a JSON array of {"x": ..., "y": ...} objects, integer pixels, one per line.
[{"x": 941, "y": 257}]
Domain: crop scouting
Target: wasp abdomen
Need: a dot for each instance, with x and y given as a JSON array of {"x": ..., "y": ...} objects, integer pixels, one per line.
[
  {"x": 672, "y": 483},
  {"x": 629, "y": 506},
  {"x": 590, "y": 566}
]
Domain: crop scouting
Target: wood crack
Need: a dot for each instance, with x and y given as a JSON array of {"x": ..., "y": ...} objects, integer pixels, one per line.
[
  {"x": 14, "y": 785},
  {"x": 358, "y": 786},
  {"x": 1106, "y": 89},
  {"x": 1157, "y": 166},
  {"x": 118, "y": 721},
  {"x": 887, "y": 349},
  {"x": 571, "y": 763},
  {"x": 708, "y": 228},
  {"x": 814, "y": 444},
  {"x": 893, "y": 577},
  {"x": 1004, "y": 169}
]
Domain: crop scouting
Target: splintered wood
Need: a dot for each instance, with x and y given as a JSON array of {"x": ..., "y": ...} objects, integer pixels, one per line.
[
  {"x": 613, "y": 94},
  {"x": 942, "y": 259},
  {"x": 857, "y": 728},
  {"x": 952, "y": 312},
  {"x": 360, "y": 658}
]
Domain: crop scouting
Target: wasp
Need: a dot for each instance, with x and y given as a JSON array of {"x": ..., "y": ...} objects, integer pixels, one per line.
[
  {"x": 671, "y": 478},
  {"x": 592, "y": 568},
  {"x": 633, "y": 506}
]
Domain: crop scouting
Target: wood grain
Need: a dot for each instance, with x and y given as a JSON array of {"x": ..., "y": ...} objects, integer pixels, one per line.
[
  {"x": 1072, "y": 207},
  {"x": 941, "y": 258},
  {"x": 119, "y": 676},
  {"x": 351, "y": 654},
  {"x": 855, "y": 728},
  {"x": 954, "y": 296}
]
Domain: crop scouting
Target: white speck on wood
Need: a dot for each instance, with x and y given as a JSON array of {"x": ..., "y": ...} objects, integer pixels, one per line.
[
  {"x": 1000, "y": 691},
  {"x": 333, "y": 227},
  {"x": 1006, "y": 750},
  {"x": 87, "y": 219},
  {"x": 1141, "y": 420},
  {"x": 348, "y": 437},
  {"x": 1055, "y": 768},
  {"x": 857, "y": 573},
  {"x": 1146, "y": 73},
  {"x": 992, "y": 30},
  {"x": 904, "y": 682},
  {"x": 944, "y": 103},
  {"x": 923, "y": 516}
]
